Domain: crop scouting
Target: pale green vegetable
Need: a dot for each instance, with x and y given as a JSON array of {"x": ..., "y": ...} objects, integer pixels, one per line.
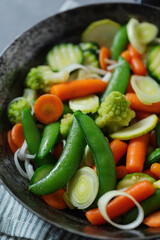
[
  {"x": 147, "y": 32},
  {"x": 65, "y": 124},
  {"x": 88, "y": 159},
  {"x": 67, "y": 201}
]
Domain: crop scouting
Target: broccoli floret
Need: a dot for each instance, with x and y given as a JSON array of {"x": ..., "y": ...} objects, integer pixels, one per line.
[
  {"x": 15, "y": 110},
  {"x": 65, "y": 124},
  {"x": 42, "y": 78},
  {"x": 114, "y": 113},
  {"x": 30, "y": 94}
]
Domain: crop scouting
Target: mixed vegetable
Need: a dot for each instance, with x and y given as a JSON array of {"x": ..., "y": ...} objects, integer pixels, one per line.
[{"x": 86, "y": 131}]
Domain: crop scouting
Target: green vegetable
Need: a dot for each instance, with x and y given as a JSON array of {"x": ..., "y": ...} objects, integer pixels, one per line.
[
  {"x": 120, "y": 42},
  {"x": 156, "y": 184},
  {"x": 147, "y": 32},
  {"x": 15, "y": 110},
  {"x": 157, "y": 130},
  {"x": 33, "y": 137},
  {"x": 41, "y": 172},
  {"x": 82, "y": 189},
  {"x": 153, "y": 63},
  {"x": 131, "y": 179},
  {"x": 65, "y": 124},
  {"x": 49, "y": 138},
  {"x": 64, "y": 54},
  {"x": 66, "y": 166},
  {"x": 66, "y": 109},
  {"x": 90, "y": 58},
  {"x": 149, "y": 206},
  {"x": 152, "y": 158},
  {"x": 88, "y": 159},
  {"x": 114, "y": 112},
  {"x": 89, "y": 46},
  {"x": 119, "y": 79},
  {"x": 42, "y": 78},
  {"x": 29, "y": 94},
  {"x": 101, "y": 152}
]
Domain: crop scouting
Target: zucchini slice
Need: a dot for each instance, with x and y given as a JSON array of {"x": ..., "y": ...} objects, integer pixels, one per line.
[
  {"x": 153, "y": 63},
  {"x": 90, "y": 58},
  {"x": 89, "y": 46},
  {"x": 63, "y": 54}
]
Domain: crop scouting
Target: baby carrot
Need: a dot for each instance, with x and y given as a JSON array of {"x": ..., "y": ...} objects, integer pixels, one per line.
[
  {"x": 17, "y": 135},
  {"x": 141, "y": 115},
  {"x": 48, "y": 108},
  {"x": 119, "y": 148},
  {"x": 152, "y": 220},
  {"x": 122, "y": 204},
  {"x": 58, "y": 148},
  {"x": 103, "y": 54},
  {"x": 152, "y": 139},
  {"x": 136, "y": 153},
  {"x": 121, "y": 171},
  {"x": 137, "y": 105},
  {"x": 155, "y": 169},
  {"x": 147, "y": 171},
  {"x": 138, "y": 66},
  {"x": 12, "y": 146},
  {"x": 126, "y": 55},
  {"x": 79, "y": 88},
  {"x": 55, "y": 199},
  {"x": 129, "y": 87},
  {"x": 133, "y": 52}
]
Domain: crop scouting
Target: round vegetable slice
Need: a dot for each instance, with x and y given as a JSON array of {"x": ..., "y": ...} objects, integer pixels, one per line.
[
  {"x": 87, "y": 104},
  {"x": 82, "y": 189},
  {"x": 137, "y": 129},
  {"x": 132, "y": 31},
  {"x": 146, "y": 88},
  {"x": 102, "y": 32},
  {"x": 147, "y": 32}
]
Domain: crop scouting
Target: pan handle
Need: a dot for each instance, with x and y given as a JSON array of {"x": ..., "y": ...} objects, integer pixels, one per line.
[{"x": 151, "y": 2}]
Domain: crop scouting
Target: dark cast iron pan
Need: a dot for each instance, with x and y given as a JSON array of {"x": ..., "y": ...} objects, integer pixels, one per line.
[{"x": 30, "y": 50}]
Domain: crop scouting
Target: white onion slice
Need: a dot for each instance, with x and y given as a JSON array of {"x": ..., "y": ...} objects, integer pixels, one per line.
[
  {"x": 29, "y": 169},
  {"x": 110, "y": 61},
  {"x": 97, "y": 70},
  {"x": 21, "y": 171},
  {"x": 74, "y": 66},
  {"x": 102, "y": 205},
  {"x": 113, "y": 66},
  {"x": 107, "y": 77},
  {"x": 20, "y": 98},
  {"x": 24, "y": 153}
]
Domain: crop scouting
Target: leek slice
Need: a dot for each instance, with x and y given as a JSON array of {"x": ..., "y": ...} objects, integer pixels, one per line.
[
  {"x": 146, "y": 88},
  {"x": 82, "y": 189},
  {"x": 147, "y": 32},
  {"x": 87, "y": 104},
  {"x": 87, "y": 159},
  {"x": 132, "y": 31},
  {"x": 103, "y": 202}
]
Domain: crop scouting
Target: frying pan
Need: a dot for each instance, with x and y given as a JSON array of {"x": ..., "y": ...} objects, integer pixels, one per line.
[{"x": 30, "y": 50}]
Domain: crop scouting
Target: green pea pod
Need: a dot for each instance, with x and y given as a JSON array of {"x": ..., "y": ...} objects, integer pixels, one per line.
[
  {"x": 66, "y": 166},
  {"x": 120, "y": 42},
  {"x": 152, "y": 158},
  {"x": 102, "y": 154},
  {"x": 33, "y": 137},
  {"x": 149, "y": 206},
  {"x": 157, "y": 130},
  {"x": 119, "y": 80},
  {"x": 66, "y": 109},
  {"x": 49, "y": 138}
]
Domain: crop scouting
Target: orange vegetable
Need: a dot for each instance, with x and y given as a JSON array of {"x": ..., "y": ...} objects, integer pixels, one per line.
[
  {"x": 48, "y": 108},
  {"x": 142, "y": 115},
  {"x": 129, "y": 87},
  {"x": 137, "y": 105},
  {"x": 121, "y": 204},
  {"x": 12, "y": 146},
  {"x": 126, "y": 55},
  {"x": 152, "y": 139},
  {"x": 155, "y": 169},
  {"x": 94, "y": 168},
  {"x": 55, "y": 199},
  {"x": 147, "y": 171},
  {"x": 121, "y": 171},
  {"x": 138, "y": 66},
  {"x": 119, "y": 148},
  {"x": 58, "y": 148},
  {"x": 79, "y": 88},
  {"x": 133, "y": 52},
  {"x": 136, "y": 153},
  {"x": 153, "y": 220},
  {"x": 17, "y": 135},
  {"x": 103, "y": 54}
]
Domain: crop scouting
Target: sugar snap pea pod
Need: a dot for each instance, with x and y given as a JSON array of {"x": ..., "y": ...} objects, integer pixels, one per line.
[
  {"x": 157, "y": 130},
  {"x": 149, "y": 206},
  {"x": 152, "y": 158},
  {"x": 49, "y": 138},
  {"x": 101, "y": 151},
  {"x": 33, "y": 137},
  {"x": 66, "y": 109},
  {"x": 119, "y": 42},
  {"x": 119, "y": 80},
  {"x": 66, "y": 166}
]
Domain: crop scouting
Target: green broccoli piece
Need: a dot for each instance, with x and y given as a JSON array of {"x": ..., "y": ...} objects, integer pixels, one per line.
[
  {"x": 42, "y": 78},
  {"x": 65, "y": 124},
  {"x": 15, "y": 110},
  {"x": 114, "y": 113},
  {"x": 30, "y": 94}
]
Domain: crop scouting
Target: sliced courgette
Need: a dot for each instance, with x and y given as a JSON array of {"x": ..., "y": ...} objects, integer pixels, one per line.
[
  {"x": 90, "y": 58},
  {"x": 63, "y": 54},
  {"x": 89, "y": 46},
  {"x": 153, "y": 63}
]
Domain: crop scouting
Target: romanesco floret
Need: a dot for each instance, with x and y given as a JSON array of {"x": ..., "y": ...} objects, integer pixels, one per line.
[
  {"x": 65, "y": 124},
  {"x": 42, "y": 78},
  {"x": 15, "y": 110},
  {"x": 114, "y": 112}
]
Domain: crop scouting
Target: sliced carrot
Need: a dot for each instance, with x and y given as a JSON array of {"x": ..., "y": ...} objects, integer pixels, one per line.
[
  {"x": 136, "y": 153},
  {"x": 126, "y": 55},
  {"x": 147, "y": 171},
  {"x": 141, "y": 115},
  {"x": 58, "y": 148},
  {"x": 133, "y": 52},
  {"x": 17, "y": 135},
  {"x": 48, "y": 108},
  {"x": 121, "y": 171},
  {"x": 12, "y": 146},
  {"x": 155, "y": 169},
  {"x": 137, "y": 105},
  {"x": 152, "y": 220},
  {"x": 94, "y": 168},
  {"x": 103, "y": 54},
  {"x": 129, "y": 87},
  {"x": 119, "y": 148},
  {"x": 80, "y": 88},
  {"x": 152, "y": 139},
  {"x": 138, "y": 66},
  {"x": 122, "y": 204},
  {"x": 55, "y": 199}
]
